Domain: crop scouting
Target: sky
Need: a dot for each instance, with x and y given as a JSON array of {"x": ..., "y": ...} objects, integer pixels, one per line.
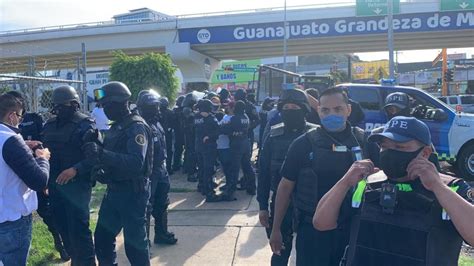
[{"x": 21, "y": 14}]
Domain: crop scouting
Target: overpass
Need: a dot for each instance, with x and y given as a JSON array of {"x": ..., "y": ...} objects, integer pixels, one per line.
[{"x": 197, "y": 43}]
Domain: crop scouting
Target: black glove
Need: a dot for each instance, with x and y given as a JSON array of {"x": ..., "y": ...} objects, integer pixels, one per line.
[{"x": 92, "y": 151}]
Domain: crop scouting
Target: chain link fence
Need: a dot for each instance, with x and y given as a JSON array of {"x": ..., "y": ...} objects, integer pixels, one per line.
[{"x": 39, "y": 91}]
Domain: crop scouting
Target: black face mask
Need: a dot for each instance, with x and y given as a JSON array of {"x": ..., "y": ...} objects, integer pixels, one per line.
[
  {"x": 394, "y": 163},
  {"x": 293, "y": 119},
  {"x": 64, "y": 113},
  {"x": 403, "y": 112},
  {"x": 150, "y": 112},
  {"x": 116, "y": 111}
]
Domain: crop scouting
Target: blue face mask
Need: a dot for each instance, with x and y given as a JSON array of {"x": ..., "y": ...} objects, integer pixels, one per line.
[{"x": 333, "y": 123}]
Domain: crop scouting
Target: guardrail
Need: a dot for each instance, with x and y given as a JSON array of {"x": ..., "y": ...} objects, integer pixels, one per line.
[{"x": 172, "y": 18}]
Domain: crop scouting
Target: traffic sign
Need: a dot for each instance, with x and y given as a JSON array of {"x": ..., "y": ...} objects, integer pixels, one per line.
[
  {"x": 375, "y": 7},
  {"x": 449, "y": 5}
]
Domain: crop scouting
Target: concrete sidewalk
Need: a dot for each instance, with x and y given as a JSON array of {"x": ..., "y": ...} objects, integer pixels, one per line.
[{"x": 222, "y": 233}]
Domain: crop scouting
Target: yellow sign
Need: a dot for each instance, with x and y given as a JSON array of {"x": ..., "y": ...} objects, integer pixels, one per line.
[{"x": 370, "y": 70}]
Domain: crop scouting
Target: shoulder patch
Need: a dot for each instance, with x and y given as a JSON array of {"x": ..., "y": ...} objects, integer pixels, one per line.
[{"x": 140, "y": 139}]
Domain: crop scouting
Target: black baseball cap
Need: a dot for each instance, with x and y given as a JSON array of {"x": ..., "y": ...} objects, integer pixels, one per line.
[
  {"x": 404, "y": 129},
  {"x": 398, "y": 99}
]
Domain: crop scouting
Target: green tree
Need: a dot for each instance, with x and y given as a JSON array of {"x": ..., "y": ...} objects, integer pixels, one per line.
[
  {"x": 148, "y": 71},
  {"x": 4, "y": 89},
  {"x": 340, "y": 76}
]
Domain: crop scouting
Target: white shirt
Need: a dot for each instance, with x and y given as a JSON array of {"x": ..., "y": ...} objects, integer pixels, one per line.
[
  {"x": 101, "y": 120},
  {"x": 223, "y": 142}
]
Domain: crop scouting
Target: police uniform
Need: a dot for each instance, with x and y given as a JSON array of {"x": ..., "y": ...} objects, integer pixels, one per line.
[
  {"x": 167, "y": 123},
  {"x": 270, "y": 161},
  {"x": 190, "y": 159},
  {"x": 417, "y": 232},
  {"x": 178, "y": 135},
  {"x": 127, "y": 162},
  {"x": 237, "y": 130},
  {"x": 206, "y": 151},
  {"x": 70, "y": 202},
  {"x": 315, "y": 162}
]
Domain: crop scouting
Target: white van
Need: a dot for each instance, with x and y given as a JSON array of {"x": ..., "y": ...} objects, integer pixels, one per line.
[{"x": 460, "y": 103}]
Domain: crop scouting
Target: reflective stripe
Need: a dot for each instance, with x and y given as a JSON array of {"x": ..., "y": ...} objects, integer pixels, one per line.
[
  {"x": 358, "y": 193},
  {"x": 404, "y": 187},
  {"x": 444, "y": 214}
]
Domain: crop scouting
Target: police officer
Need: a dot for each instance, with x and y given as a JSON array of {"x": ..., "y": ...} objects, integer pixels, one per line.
[
  {"x": 267, "y": 106},
  {"x": 125, "y": 163},
  {"x": 178, "y": 134},
  {"x": 207, "y": 132},
  {"x": 190, "y": 159},
  {"x": 314, "y": 163},
  {"x": 148, "y": 106},
  {"x": 70, "y": 185},
  {"x": 248, "y": 181},
  {"x": 30, "y": 129},
  {"x": 237, "y": 130},
  {"x": 167, "y": 122},
  {"x": 415, "y": 217},
  {"x": 294, "y": 106}
]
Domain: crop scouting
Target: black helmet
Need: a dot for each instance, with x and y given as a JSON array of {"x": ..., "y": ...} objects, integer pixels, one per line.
[
  {"x": 113, "y": 91},
  {"x": 147, "y": 98},
  {"x": 65, "y": 94},
  {"x": 240, "y": 95},
  {"x": 179, "y": 101},
  {"x": 164, "y": 103},
  {"x": 295, "y": 96},
  {"x": 190, "y": 100}
]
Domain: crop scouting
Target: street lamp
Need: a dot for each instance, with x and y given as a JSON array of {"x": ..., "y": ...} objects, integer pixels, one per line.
[{"x": 285, "y": 45}]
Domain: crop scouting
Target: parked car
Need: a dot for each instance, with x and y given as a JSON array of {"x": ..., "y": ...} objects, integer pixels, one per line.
[
  {"x": 460, "y": 103},
  {"x": 452, "y": 132}
]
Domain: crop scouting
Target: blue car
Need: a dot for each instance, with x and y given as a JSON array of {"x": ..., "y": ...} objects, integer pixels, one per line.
[{"x": 452, "y": 133}]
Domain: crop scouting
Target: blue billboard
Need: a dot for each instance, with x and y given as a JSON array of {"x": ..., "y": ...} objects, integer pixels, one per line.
[{"x": 333, "y": 27}]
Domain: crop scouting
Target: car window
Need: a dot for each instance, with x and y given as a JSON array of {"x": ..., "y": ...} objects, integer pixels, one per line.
[
  {"x": 468, "y": 99},
  {"x": 453, "y": 100},
  {"x": 367, "y": 98},
  {"x": 443, "y": 99}
]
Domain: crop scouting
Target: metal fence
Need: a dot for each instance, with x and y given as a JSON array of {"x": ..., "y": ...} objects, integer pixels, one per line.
[{"x": 38, "y": 91}]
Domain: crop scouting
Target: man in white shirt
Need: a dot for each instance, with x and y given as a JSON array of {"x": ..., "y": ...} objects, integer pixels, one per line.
[{"x": 24, "y": 169}]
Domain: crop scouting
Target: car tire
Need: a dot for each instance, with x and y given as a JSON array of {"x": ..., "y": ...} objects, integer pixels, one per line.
[{"x": 465, "y": 163}]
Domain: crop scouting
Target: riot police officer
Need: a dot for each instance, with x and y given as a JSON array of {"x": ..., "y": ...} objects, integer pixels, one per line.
[
  {"x": 178, "y": 134},
  {"x": 70, "y": 185},
  {"x": 167, "y": 122},
  {"x": 314, "y": 163},
  {"x": 190, "y": 159},
  {"x": 207, "y": 132},
  {"x": 148, "y": 106},
  {"x": 30, "y": 129},
  {"x": 237, "y": 130},
  {"x": 248, "y": 181},
  {"x": 293, "y": 106},
  {"x": 124, "y": 163}
]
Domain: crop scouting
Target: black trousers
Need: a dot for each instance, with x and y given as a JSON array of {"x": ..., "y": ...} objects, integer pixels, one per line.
[
  {"x": 70, "y": 209},
  {"x": 123, "y": 208}
]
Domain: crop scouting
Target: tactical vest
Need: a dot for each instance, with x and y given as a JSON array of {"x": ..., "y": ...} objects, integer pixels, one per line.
[
  {"x": 64, "y": 141},
  {"x": 159, "y": 173},
  {"x": 280, "y": 145},
  {"x": 116, "y": 141},
  {"x": 327, "y": 167},
  {"x": 417, "y": 233}
]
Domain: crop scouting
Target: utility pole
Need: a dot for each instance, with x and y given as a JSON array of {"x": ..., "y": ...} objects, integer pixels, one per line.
[
  {"x": 444, "y": 90},
  {"x": 390, "y": 39},
  {"x": 285, "y": 45},
  {"x": 84, "y": 79}
]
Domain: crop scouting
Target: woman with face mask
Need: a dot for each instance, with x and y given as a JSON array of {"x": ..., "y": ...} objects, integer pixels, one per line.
[{"x": 24, "y": 170}]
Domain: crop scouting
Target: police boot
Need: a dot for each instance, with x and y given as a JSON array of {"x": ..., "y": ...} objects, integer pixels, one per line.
[
  {"x": 58, "y": 245},
  {"x": 228, "y": 196},
  {"x": 162, "y": 236},
  {"x": 212, "y": 197}
]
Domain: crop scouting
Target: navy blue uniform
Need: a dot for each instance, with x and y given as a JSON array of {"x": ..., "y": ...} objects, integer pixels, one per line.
[
  {"x": 237, "y": 130},
  {"x": 168, "y": 124},
  {"x": 178, "y": 129},
  {"x": 31, "y": 126},
  {"x": 189, "y": 141},
  {"x": 70, "y": 202},
  {"x": 126, "y": 160},
  {"x": 206, "y": 127}
]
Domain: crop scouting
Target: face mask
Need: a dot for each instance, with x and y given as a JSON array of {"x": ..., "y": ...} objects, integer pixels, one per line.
[
  {"x": 115, "y": 111},
  {"x": 394, "y": 163},
  {"x": 333, "y": 123},
  {"x": 293, "y": 119},
  {"x": 404, "y": 112},
  {"x": 149, "y": 112},
  {"x": 12, "y": 122},
  {"x": 63, "y": 112}
]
